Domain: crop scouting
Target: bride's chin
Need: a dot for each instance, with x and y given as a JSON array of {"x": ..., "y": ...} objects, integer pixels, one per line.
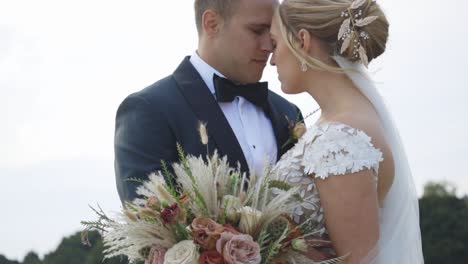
[
  {"x": 290, "y": 91},
  {"x": 285, "y": 89}
]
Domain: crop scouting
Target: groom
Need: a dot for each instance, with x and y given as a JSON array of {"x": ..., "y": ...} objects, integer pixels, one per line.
[{"x": 217, "y": 85}]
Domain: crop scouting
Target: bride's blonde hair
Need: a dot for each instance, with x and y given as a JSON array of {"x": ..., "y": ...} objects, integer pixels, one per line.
[{"x": 323, "y": 19}]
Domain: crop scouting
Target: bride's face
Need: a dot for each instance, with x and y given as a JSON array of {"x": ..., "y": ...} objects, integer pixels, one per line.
[{"x": 287, "y": 65}]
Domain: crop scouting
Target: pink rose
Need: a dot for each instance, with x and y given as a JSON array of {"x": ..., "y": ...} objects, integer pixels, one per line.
[
  {"x": 156, "y": 255},
  {"x": 206, "y": 232},
  {"x": 211, "y": 257},
  {"x": 238, "y": 249}
]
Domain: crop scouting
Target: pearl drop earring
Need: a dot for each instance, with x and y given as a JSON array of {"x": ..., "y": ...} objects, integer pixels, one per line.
[{"x": 303, "y": 66}]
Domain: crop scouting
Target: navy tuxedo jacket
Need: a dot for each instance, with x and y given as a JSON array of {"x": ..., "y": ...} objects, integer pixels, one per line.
[{"x": 150, "y": 122}]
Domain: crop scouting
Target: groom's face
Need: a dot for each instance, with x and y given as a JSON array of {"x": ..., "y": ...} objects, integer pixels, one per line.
[{"x": 244, "y": 44}]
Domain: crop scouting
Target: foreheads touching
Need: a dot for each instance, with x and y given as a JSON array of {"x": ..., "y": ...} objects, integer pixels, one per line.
[{"x": 248, "y": 10}]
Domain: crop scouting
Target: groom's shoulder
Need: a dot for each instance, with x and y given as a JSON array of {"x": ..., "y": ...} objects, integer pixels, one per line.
[
  {"x": 159, "y": 90},
  {"x": 159, "y": 93}
]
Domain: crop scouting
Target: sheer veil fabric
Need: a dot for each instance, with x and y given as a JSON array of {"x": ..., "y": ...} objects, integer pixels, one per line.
[{"x": 400, "y": 235}]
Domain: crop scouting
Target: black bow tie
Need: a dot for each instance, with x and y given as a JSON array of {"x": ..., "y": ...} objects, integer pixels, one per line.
[{"x": 226, "y": 91}]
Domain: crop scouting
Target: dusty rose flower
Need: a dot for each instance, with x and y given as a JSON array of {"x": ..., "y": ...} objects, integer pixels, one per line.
[
  {"x": 152, "y": 203},
  {"x": 169, "y": 213},
  {"x": 238, "y": 249},
  {"x": 156, "y": 255},
  {"x": 211, "y": 257},
  {"x": 206, "y": 232},
  {"x": 207, "y": 224}
]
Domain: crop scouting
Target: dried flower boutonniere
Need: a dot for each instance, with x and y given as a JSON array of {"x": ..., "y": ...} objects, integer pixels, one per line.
[{"x": 297, "y": 128}]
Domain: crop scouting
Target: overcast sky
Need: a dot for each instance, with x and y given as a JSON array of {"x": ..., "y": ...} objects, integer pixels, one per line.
[{"x": 66, "y": 65}]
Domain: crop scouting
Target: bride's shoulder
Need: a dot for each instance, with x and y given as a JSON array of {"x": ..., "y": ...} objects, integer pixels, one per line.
[
  {"x": 367, "y": 129},
  {"x": 370, "y": 133},
  {"x": 340, "y": 145},
  {"x": 360, "y": 125}
]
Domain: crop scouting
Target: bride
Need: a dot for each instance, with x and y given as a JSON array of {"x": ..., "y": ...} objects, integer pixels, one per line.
[{"x": 350, "y": 166}]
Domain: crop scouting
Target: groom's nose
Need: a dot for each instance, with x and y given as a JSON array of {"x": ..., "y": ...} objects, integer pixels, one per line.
[{"x": 266, "y": 44}]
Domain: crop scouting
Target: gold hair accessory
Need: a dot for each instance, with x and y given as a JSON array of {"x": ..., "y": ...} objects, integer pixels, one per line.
[{"x": 352, "y": 28}]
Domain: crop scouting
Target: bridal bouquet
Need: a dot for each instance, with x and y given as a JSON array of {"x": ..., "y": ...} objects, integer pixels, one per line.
[{"x": 215, "y": 214}]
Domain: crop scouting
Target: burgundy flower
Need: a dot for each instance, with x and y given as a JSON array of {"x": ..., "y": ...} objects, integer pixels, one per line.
[
  {"x": 169, "y": 213},
  {"x": 211, "y": 257}
]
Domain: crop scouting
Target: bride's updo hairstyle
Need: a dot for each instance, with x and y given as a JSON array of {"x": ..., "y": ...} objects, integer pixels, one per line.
[{"x": 356, "y": 30}]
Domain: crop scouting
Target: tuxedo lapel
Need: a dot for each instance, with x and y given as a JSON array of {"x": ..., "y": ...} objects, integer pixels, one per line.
[
  {"x": 206, "y": 108},
  {"x": 280, "y": 126}
]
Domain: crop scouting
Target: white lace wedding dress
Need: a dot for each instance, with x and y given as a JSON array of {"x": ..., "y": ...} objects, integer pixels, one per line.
[
  {"x": 323, "y": 151},
  {"x": 334, "y": 149}
]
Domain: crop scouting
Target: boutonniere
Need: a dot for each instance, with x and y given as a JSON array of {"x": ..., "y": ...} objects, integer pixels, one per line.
[{"x": 296, "y": 128}]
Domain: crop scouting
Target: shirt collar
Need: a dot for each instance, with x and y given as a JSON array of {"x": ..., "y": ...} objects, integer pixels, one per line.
[{"x": 205, "y": 71}]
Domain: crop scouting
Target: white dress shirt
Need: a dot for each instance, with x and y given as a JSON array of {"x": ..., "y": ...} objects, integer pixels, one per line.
[{"x": 253, "y": 129}]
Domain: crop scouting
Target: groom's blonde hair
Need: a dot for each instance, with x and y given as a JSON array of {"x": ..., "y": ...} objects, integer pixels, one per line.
[
  {"x": 222, "y": 7},
  {"x": 323, "y": 19}
]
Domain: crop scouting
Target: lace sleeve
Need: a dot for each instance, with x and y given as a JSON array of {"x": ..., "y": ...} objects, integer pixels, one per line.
[{"x": 339, "y": 149}]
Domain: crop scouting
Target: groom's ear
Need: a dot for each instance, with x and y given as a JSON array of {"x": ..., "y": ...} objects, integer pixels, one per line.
[{"x": 211, "y": 23}]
